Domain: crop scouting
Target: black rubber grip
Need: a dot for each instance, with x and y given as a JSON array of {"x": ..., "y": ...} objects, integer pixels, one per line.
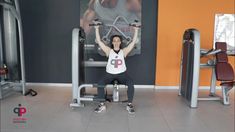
[
  {"x": 134, "y": 25},
  {"x": 93, "y": 24}
]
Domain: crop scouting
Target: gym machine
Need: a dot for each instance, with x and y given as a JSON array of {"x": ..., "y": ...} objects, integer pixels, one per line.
[
  {"x": 79, "y": 64},
  {"x": 190, "y": 69},
  {"x": 12, "y": 68}
]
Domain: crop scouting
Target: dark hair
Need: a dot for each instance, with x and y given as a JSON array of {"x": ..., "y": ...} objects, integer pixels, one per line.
[{"x": 111, "y": 40}]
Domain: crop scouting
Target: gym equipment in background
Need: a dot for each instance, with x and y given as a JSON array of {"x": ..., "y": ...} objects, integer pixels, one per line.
[
  {"x": 12, "y": 68},
  {"x": 190, "y": 69}
]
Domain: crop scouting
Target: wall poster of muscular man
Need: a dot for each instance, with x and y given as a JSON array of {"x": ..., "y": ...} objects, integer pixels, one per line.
[{"x": 116, "y": 17}]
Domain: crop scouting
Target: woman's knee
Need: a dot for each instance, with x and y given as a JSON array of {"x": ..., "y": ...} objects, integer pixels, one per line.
[{"x": 129, "y": 82}]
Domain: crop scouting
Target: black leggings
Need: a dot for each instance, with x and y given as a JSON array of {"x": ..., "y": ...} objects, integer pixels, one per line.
[{"x": 122, "y": 78}]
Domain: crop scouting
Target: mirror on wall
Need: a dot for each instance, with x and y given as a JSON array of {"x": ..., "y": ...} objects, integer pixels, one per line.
[{"x": 224, "y": 30}]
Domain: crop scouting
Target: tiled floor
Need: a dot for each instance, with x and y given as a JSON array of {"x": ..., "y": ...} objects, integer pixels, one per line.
[{"x": 156, "y": 111}]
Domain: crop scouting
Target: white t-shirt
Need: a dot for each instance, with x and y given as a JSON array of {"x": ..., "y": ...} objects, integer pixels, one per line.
[{"x": 116, "y": 62}]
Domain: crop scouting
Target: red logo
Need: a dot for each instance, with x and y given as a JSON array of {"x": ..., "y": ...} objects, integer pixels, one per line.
[{"x": 19, "y": 110}]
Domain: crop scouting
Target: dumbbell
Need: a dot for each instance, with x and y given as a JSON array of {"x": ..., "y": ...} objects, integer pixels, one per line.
[
  {"x": 96, "y": 22},
  {"x": 136, "y": 23}
]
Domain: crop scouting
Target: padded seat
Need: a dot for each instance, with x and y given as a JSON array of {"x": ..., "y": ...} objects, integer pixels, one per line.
[
  {"x": 224, "y": 72},
  {"x": 228, "y": 84}
]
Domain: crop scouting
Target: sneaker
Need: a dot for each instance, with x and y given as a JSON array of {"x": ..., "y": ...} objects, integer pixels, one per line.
[
  {"x": 101, "y": 107},
  {"x": 130, "y": 108}
]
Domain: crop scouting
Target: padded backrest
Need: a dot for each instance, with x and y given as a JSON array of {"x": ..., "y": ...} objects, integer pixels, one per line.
[
  {"x": 222, "y": 56},
  {"x": 224, "y": 72},
  {"x": 221, "y": 45}
]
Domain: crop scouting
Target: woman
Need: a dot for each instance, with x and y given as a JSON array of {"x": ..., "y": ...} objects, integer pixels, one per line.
[{"x": 116, "y": 67}]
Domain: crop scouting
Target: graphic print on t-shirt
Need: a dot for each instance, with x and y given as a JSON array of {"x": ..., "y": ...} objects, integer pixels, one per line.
[{"x": 116, "y": 62}]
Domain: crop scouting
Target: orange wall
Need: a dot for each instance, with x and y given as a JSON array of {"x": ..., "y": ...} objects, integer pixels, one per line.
[{"x": 174, "y": 16}]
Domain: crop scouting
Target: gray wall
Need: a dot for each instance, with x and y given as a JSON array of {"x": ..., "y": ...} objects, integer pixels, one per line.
[{"x": 47, "y": 26}]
